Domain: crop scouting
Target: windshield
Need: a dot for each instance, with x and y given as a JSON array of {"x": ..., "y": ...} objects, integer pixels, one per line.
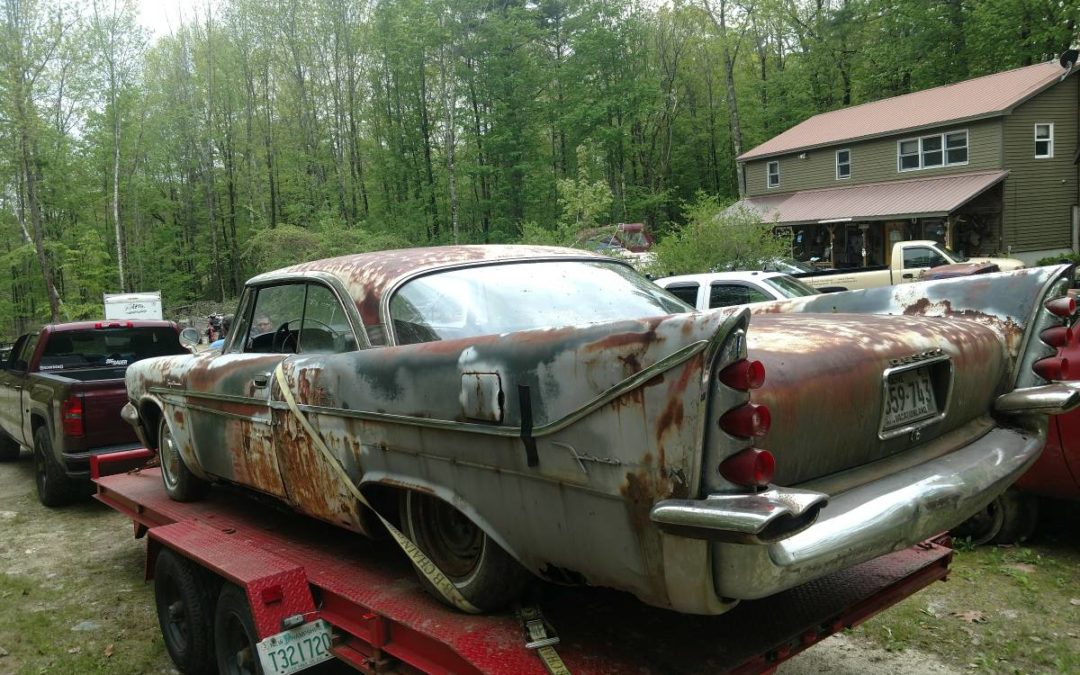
[
  {"x": 523, "y": 296},
  {"x": 789, "y": 287},
  {"x": 787, "y": 266},
  {"x": 107, "y": 347},
  {"x": 956, "y": 257}
]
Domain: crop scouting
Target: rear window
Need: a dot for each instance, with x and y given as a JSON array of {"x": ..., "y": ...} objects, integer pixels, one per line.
[{"x": 107, "y": 347}]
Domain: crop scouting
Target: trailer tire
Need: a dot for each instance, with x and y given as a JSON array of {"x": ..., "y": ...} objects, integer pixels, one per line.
[
  {"x": 481, "y": 570},
  {"x": 9, "y": 449},
  {"x": 234, "y": 633},
  {"x": 180, "y": 484},
  {"x": 184, "y": 603},
  {"x": 54, "y": 488}
]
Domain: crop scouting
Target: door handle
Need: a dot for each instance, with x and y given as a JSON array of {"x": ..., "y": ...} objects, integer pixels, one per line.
[
  {"x": 909, "y": 275},
  {"x": 260, "y": 381}
]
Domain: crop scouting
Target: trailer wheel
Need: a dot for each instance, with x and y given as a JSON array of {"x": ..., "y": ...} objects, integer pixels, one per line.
[
  {"x": 53, "y": 487},
  {"x": 184, "y": 609},
  {"x": 484, "y": 573},
  {"x": 9, "y": 449},
  {"x": 180, "y": 483},
  {"x": 234, "y": 634}
]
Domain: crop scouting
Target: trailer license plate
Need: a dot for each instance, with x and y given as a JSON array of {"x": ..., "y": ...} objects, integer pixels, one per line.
[
  {"x": 294, "y": 650},
  {"x": 909, "y": 398}
]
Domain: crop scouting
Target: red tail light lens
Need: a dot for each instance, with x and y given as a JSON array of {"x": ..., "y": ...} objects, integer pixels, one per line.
[
  {"x": 1053, "y": 368},
  {"x": 747, "y": 421},
  {"x": 1058, "y": 336},
  {"x": 1063, "y": 307},
  {"x": 751, "y": 467},
  {"x": 71, "y": 414},
  {"x": 743, "y": 375}
]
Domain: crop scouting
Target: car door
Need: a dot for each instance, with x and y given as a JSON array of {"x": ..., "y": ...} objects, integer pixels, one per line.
[
  {"x": 12, "y": 379},
  {"x": 229, "y": 399},
  {"x": 311, "y": 485}
]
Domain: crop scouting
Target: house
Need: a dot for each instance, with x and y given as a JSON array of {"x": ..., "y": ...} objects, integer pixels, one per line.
[{"x": 986, "y": 166}]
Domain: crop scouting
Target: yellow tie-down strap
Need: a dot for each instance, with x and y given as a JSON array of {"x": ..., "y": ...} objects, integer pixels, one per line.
[
  {"x": 423, "y": 563},
  {"x": 547, "y": 654}
]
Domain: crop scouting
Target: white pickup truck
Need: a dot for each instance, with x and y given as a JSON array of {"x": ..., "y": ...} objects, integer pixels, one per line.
[{"x": 918, "y": 260}]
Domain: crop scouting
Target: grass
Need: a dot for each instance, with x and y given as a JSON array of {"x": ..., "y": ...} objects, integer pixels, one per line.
[{"x": 1005, "y": 610}]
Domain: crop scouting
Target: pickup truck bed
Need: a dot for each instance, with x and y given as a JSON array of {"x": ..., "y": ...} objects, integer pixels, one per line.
[{"x": 382, "y": 619}]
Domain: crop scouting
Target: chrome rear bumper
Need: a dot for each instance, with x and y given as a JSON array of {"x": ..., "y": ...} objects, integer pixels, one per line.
[{"x": 885, "y": 515}]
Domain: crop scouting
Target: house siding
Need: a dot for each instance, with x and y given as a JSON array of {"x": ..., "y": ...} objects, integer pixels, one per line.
[
  {"x": 1040, "y": 193},
  {"x": 874, "y": 161}
]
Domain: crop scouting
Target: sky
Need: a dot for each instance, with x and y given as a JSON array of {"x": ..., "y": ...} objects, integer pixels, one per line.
[{"x": 162, "y": 17}]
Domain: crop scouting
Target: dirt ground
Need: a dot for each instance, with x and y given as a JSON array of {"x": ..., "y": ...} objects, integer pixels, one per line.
[{"x": 73, "y": 600}]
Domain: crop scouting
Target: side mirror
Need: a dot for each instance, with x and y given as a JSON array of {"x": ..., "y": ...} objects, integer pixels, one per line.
[{"x": 189, "y": 338}]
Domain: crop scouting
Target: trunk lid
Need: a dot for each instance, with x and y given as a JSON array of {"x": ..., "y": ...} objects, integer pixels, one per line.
[{"x": 839, "y": 386}]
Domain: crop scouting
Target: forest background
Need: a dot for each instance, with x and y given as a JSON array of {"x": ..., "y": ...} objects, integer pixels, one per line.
[{"x": 264, "y": 132}]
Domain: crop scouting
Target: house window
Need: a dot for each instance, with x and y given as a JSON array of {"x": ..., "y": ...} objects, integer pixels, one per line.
[
  {"x": 1044, "y": 141},
  {"x": 843, "y": 164},
  {"x": 773, "y": 169},
  {"x": 928, "y": 152}
]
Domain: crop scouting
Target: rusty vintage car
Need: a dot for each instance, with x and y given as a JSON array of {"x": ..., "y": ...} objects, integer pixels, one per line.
[{"x": 541, "y": 411}]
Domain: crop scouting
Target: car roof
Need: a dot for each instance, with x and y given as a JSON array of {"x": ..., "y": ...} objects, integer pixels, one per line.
[
  {"x": 367, "y": 276},
  {"x": 710, "y": 277}
]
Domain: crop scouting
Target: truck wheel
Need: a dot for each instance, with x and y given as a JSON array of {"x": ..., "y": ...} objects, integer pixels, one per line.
[
  {"x": 53, "y": 487},
  {"x": 185, "y": 610},
  {"x": 484, "y": 573},
  {"x": 234, "y": 634},
  {"x": 9, "y": 449},
  {"x": 180, "y": 483},
  {"x": 1020, "y": 514}
]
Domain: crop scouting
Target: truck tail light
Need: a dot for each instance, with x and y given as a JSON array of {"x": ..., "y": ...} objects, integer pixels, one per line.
[
  {"x": 1063, "y": 307},
  {"x": 1053, "y": 368},
  {"x": 752, "y": 467},
  {"x": 744, "y": 375},
  {"x": 71, "y": 413},
  {"x": 114, "y": 324},
  {"x": 747, "y": 421},
  {"x": 1058, "y": 336}
]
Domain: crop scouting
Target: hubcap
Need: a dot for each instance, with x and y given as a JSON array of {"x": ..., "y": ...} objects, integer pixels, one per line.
[{"x": 170, "y": 457}]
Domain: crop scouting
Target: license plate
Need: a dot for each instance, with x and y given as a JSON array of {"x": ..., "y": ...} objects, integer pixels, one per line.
[
  {"x": 909, "y": 398},
  {"x": 294, "y": 650}
]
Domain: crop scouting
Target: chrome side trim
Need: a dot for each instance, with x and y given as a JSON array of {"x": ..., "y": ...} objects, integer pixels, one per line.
[
  {"x": 757, "y": 518},
  {"x": 1050, "y": 399}
]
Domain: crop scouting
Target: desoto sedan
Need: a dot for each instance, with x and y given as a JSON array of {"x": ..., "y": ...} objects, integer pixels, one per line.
[{"x": 522, "y": 411}]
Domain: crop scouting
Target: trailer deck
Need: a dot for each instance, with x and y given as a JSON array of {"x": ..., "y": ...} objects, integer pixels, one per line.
[{"x": 383, "y": 621}]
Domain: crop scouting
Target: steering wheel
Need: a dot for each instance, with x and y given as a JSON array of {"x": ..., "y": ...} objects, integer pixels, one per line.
[{"x": 284, "y": 339}]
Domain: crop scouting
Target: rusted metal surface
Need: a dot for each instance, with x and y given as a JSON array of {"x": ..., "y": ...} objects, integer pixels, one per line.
[{"x": 624, "y": 414}]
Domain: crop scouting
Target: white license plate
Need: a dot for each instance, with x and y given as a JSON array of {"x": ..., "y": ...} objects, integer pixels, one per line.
[
  {"x": 908, "y": 398},
  {"x": 294, "y": 650}
]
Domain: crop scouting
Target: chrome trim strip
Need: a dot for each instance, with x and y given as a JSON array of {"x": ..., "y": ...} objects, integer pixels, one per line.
[
  {"x": 1035, "y": 325},
  {"x": 210, "y": 396},
  {"x": 1051, "y": 399}
]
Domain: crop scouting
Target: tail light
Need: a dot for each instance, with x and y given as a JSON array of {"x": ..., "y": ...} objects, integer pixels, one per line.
[
  {"x": 751, "y": 467},
  {"x": 1053, "y": 368},
  {"x": 1063, "y": 307},
  {"x": 71, "y": 414},
  {"x": 744, "y": 375},
  {"x": 747, "y": 421},
  {"x": 1058, "y": 336},
  {"x": 114, "y": 324}
]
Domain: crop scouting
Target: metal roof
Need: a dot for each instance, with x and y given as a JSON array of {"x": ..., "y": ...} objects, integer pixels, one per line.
[
  {"x": 986, "y": 96},
  {"x": 919, "y": 197}
]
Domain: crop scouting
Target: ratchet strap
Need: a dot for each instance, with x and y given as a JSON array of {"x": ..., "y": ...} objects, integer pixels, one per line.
[
  {"x": 429, "y": 569},
  {"x": 539, "y": 634}
]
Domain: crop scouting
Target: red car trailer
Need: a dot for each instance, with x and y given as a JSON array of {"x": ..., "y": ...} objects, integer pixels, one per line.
[{"x": 245, "y": 580}]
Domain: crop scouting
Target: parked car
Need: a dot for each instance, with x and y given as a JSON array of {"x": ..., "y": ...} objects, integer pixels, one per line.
[
  {"x": 527, "y": 410},
  {"x": 632, "y": 237},
  {"x": 61, "y": 390},
  {"x": 911, "y": 261},
  {"x": 725, "y": 289}
]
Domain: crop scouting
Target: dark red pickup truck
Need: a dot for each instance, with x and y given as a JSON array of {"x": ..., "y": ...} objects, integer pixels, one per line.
[{"x": 61, "y": 391}]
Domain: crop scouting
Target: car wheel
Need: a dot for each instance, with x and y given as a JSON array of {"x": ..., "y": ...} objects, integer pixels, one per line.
[
  {"x": 1019, "y": 515},
  {"x": 982, "y": 527},
  {"x": 484, "y": 573},
  {"x": 184, "y": 609},
  {"x": 9, "y": 449},
  {"x": 234, "y": 634},
  {"x": 53, "y": 487},
  {"x": 180, "y": 483}
]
